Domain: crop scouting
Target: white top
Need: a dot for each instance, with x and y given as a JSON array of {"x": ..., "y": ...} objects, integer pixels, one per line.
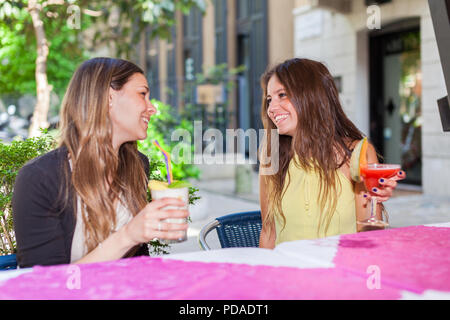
[{"x": 79, "y": 248}]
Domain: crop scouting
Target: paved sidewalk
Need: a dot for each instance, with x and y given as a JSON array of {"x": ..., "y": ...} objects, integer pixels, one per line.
[
  {"x": 405, "y": 208},
  {"x": 413, "y": 210}
]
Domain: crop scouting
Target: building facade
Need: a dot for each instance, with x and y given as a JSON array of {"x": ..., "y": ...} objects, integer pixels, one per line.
[
  {"x": 385, "y": 59},
  {"x": 383, "y": 55},
  {"x": 250, "y": 33}
]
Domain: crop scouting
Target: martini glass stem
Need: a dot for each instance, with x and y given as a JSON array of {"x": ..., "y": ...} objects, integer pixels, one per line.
[{"x": 373, "y": 208}]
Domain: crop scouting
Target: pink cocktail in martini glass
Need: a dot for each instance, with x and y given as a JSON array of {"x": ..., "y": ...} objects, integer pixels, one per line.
[{"x": 371, "y": 173}]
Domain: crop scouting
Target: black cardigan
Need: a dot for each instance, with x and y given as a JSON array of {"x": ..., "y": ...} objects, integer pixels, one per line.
[{"x": 44, "y": 227}]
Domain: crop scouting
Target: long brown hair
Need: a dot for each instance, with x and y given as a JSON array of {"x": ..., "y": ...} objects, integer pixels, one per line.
[
  {"x": 99, "y": 175},
  {"x": 322, "y": 138}
]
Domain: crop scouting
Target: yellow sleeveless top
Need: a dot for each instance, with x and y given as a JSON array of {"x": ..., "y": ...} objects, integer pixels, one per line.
[{"x": 301, "y": 207}]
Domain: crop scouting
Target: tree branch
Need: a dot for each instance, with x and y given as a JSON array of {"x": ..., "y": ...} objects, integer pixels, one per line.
[
  {"x": 92, "y": 13},
  {"x": 52, "y": 2},
  {"x": 6, "y": 233}
]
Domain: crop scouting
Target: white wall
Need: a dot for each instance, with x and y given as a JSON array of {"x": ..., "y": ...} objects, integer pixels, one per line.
[
  {"x": 331, "y": 40},
  {"x": 340, "y": 40},
  {"x": 435, "y": 143}
]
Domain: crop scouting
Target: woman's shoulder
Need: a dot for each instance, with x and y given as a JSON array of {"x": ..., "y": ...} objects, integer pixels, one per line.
[
  {"x": 143, "y": 157},
  {"x": 40, "y": 178},
  {"x": 352, "y": 144},
  {"x": 146, "y": 162},
  {"x": 46, "y": 163}
]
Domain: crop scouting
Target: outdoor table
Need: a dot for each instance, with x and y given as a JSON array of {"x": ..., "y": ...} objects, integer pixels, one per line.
[{"x": 402, "y": 263}]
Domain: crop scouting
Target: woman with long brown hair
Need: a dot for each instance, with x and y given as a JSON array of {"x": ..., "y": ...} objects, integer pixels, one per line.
[
  {"x": 86, "y": 200},
  {"x": 311, "y": 195}
]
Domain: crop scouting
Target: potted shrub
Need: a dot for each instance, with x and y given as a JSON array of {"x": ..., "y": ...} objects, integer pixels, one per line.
[{"x": 12, "y": 157}]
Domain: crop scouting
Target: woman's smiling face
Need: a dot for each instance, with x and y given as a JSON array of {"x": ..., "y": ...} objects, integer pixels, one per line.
[
  {"x": 279, "y": 108},
  {"x": 130, "y": 110}
]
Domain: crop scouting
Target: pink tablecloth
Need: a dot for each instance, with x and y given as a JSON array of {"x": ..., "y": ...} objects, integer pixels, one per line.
[{"x": 371, "y": 265}]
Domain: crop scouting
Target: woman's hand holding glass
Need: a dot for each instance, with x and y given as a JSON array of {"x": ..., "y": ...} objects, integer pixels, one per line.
[
  {"x": 147, "y": 224},
  {"x": 385, "y": 189}
]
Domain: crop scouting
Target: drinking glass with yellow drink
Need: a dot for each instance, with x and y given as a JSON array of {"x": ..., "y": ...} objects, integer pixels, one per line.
[{"x": 170, "y": 189}]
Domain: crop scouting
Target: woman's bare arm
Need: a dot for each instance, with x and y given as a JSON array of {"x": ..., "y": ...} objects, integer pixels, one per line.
[
  {"x": 144, "y": 227},
  {"x": 267, "y": 237}
]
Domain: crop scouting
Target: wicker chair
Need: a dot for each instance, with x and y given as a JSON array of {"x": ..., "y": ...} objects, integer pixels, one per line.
[{"x": 234, "y": 230}]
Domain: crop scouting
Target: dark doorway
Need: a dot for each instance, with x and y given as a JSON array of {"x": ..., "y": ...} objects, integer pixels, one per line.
[
  {"x": 252, "y": 52},
  {"x": 395, "y": 96}
]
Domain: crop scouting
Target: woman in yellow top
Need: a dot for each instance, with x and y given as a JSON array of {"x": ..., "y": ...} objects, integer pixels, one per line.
[{"x": 311, "y": 195}]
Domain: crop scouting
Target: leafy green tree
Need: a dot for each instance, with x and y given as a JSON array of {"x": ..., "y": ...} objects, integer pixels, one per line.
[
  {"x": 32, "y": 28},
  {"x": 49, "y": 16},
  {"x": 18, "y": 53},
  {"x": 127, "y": 19}
]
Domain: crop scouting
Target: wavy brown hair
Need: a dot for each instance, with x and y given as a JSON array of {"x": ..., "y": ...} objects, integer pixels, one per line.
[
  {"x": 322, "y": 139},
  {"x": 100, "y": 176}
]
